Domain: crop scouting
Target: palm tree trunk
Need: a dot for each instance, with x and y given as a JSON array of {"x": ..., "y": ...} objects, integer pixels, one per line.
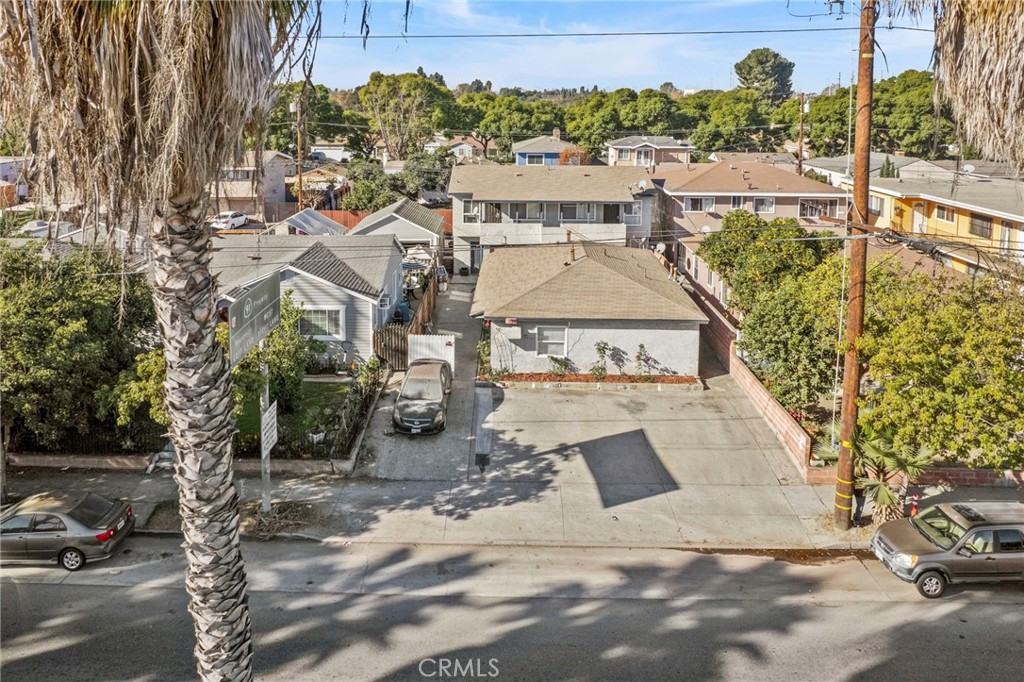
[{"x": 198, "y": 394}]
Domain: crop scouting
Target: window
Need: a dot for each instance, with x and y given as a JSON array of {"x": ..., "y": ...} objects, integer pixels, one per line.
[
  {"x": 47, "y": 523},
  {"x": 551, "y": 341},
  {"x": 321, "y": 323},
  {"x": 470, "y": 211},
  {"x": 819, "y": 208},
  {"x": 981, "y": 542},
  {"x": 534, "y": 159},
  {"x": 711, "y": 277},
  {"x": 622, "y": 154},
  {"x": 981, "y": 226},
  {"x": 631, "y": 213},
  {"x": 16, "y": 524},
  {"x": 574, "y": 211},
  {"x": 764, "y": 205},
  {"x": 1010, "y": 540},
  {"x": 699, "y": 204},
  {"x": 534, "y": 211},
  {"x": 736, "y": 203},
  {"x": 945, "y": 214},
  {"x": 876, "y": 205}
]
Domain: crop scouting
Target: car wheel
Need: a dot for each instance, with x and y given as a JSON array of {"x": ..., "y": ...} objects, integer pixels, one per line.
[
  {"x": 72, "y": 559},
  {"x": 931, "y": 584}
]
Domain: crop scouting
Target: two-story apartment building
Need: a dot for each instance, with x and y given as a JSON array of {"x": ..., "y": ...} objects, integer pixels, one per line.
[
  {"x": 702, "y": 194},
  {"x": 987, "y": 216},
  {"x": 499, "y": 205},
  {"x": 236, "y": 189},
  {"x": 648, "y": 151},
  {"x": 839, "y": 169},
  {"x": 543, "y": 150}
]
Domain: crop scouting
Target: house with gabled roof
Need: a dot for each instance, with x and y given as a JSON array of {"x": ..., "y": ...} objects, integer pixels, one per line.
[
  {"x": 648, "y": 151},
  {"x": 499, "y": 205},
  {"x": 410, "y": 223},
  {"x": 560, "y": 300},
  {"x": 236, "y": 188},
  {"x": 347, "y": 286},
  {"x": 543, "y": 150}
]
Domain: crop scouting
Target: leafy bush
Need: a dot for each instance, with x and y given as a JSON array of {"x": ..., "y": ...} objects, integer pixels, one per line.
[{"x": 559, "y": 366}]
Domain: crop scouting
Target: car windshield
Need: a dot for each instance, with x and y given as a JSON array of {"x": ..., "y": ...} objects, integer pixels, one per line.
[
  {"x": 224, "y": 216},
  {"x": 421, "y": 389},
  {"x": 91, "y": 510},
  {"x": 937, "y": 527}
]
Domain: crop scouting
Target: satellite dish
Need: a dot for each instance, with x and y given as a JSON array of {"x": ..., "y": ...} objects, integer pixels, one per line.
[
  {"x": 705, "y": 230},
  {"x": 660, "y": 247},
  {"x": 968, "y": 168}
]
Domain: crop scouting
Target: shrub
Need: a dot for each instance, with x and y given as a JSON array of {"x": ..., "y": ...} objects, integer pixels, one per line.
[{"x": 559, "y": 366}]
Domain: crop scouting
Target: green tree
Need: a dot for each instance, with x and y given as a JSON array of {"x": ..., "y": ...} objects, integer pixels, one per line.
[
  {"x": 768, "y": 73},
  {"x": 695, "y": 109},
  {"x": 735, "y": 121},
  {"x": 722, "y": 250},
  {"x": 828, "y": 123},
  {"x": 775, "y": 254},
  {"x": 322, "y": 118},
  {"x": 68, "y": 330},
  {"x": 505, "y": 120},
  {"x": 426, "y": 171},
  {"x": 285, "y": 355},
  {"x": 652, "y": 111},
  {"x": 372, "y": 188},
  {"x": 906, "y": 118},
  {"x": 468, "y": 111},
  {"x": 593, "y": 121},
  {"x": 545, "y": 116},
  {"x": 405, "y": 109}
]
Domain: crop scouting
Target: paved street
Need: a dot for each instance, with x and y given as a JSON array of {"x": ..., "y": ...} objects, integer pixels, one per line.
[{"x": 374, "y": 612}]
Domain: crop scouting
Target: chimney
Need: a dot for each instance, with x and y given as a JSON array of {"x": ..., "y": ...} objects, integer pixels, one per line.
[{"x": 557, "y": 133}]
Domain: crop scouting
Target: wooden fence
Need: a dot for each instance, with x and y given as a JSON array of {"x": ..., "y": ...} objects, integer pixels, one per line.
[
  {"x": 425, "y": 311},
  {"x": 391, "y": 344}
]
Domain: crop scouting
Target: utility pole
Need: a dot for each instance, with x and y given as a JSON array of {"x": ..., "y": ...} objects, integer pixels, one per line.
[
  {"x": 800, "y": 146},
  {"x": 297, "y": 108},
  {"x": 858, "y": 265}
]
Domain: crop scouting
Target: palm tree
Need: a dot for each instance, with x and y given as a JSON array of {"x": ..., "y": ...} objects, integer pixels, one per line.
[
  {"x": 135, "y": 106},
  {"x": 978, "y": 69},
  {"x": 882, "y": 469}
]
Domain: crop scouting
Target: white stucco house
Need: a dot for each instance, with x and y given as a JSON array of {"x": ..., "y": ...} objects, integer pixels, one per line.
[
  {"x": 559, "y": 301},
  {"x": 510, "y": 205},
  {"x": 347, "y": 286}
]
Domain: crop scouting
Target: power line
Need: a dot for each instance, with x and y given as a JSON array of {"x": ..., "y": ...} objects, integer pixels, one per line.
[{"x": 607, "y": 34}]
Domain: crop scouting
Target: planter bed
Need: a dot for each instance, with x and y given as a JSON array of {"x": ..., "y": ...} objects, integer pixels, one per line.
[{"x": 548, "y": 378}]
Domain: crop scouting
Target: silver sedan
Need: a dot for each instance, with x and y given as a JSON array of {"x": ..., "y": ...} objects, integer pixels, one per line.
[{"x": 67, "y": 527}]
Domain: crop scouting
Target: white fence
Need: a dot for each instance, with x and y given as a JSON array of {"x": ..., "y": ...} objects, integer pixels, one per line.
[{"x": 433, "y": 346}]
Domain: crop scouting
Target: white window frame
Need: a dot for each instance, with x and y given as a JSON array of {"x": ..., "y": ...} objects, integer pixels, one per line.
[
  {"x": 711, "y": 278},
  {"x": 706, "y": 205},
  {"x": 538, "y": 162},
  {"x": 632, "y": 213},
  {"x": 534, "y": 210},
  {"x": 764, "y": 200},
  {"x": 565, "y": 341},
  {"x": 737, "y": 203},
  {"x": 582, "y": 212},
  {"x": 947, "y": 215},
  {"x": 833, "y": 207},
  {"x": 341, "y": 335},
  {"x": 622, "y": 154},
  {"x": 646, "y": 159},
  {"x": 470, "y": 211},
  {"x": 876, "y": 205}
]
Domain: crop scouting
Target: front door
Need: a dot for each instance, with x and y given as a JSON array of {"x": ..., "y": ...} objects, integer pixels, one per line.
[
  {"x": 612, "y": 213},
  {"x": 920, "y": 218},
  {"x": 644, "y": 157},
  {"x": 46, "y": 538},
  {"x": 476, "y": 255}
]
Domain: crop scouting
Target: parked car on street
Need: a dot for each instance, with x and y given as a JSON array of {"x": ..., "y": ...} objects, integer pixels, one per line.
[
  {"x": 70, "y": 528},
  {"x": 230, "y": 219},
  {"x": 422, "y": 404},
  {"x": 954, "y": 543}
]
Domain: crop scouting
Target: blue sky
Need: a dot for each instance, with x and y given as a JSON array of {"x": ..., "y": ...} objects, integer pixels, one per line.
[{"x": 607, "y": 61}]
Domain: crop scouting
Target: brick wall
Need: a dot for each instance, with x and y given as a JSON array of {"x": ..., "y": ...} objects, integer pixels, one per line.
[{"x": 719, "y": 331}]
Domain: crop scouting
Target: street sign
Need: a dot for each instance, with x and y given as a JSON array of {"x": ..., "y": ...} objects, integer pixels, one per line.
[
  {"x": 268, "y": 430},
  {"x": 253, "y": 316}
]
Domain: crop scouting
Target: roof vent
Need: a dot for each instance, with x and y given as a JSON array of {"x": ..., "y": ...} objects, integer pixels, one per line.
[
  {"x": 519, "y": 175},
  {"x": 732, "y": 167}
]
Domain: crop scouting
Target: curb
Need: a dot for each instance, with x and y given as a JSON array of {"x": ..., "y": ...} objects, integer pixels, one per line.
[{"x": 599, "y": 386}]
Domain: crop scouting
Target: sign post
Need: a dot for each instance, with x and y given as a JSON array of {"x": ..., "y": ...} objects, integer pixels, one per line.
[{"x": 250, "y": 319}]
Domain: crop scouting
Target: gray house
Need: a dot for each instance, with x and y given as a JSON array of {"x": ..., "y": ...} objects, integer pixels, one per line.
[
  {"x": 410, "y": 223},
  {"x": 347, "y": 286},
  {"x": 558, "y": 301}
]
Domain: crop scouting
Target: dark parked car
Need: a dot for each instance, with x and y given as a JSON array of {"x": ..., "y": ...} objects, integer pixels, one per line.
[
  {"x": 422, "y": 405},
  {"x": 70, "y": 528},
  {"x": 954, "y": 543}
]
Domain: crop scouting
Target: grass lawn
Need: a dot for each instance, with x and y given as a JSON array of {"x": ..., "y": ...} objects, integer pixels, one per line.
[{"x": 327, "y": 395}]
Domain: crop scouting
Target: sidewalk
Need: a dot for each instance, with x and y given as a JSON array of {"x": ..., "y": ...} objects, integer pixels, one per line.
[{"x": 481, "y": 513}]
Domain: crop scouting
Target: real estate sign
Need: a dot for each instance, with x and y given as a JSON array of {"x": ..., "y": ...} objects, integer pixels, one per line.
[{"x": 253, "y": 316}]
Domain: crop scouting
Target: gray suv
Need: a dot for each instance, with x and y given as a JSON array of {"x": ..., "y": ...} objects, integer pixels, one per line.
[{"x": 954, "y": 543}]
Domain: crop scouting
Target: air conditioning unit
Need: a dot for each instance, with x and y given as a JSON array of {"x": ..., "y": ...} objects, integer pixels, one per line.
[{"x": 385, "y": 301}]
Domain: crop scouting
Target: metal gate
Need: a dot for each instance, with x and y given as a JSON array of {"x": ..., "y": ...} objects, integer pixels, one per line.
[
  {"x": 391, "y": 345},
  {"x": 433, "y": 346}
]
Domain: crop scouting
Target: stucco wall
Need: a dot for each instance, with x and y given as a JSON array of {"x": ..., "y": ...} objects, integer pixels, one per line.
[{"x": 674, "y": 346}]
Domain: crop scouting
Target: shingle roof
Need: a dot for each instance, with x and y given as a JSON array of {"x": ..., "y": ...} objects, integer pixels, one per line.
[
  {"x": 1003, "y": 196},
  {"x": 838, "y": 164},
  {"x": 603, "y": 283},
  {"x": 652, "y": 140},
  {"x": 407, "y": 210},
  {"x": 542, "y": 143},
  {"x": 550, "y": 183},
  {"x": 724, "y": 177},
  {"x": 239, "y": 259}
]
